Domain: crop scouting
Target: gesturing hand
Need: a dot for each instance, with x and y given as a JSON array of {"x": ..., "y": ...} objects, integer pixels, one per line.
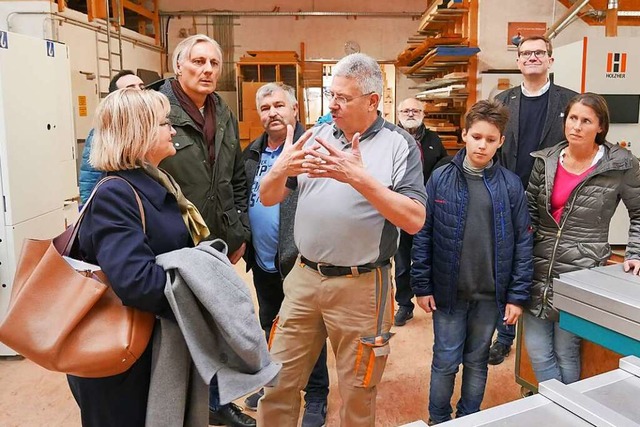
[
  {"x": 290, "y": 161},
  {"x": 339, "y": 165}
]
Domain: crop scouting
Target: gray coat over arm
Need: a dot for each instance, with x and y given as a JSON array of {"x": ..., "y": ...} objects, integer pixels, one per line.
[{"x": 216, "y": 332}]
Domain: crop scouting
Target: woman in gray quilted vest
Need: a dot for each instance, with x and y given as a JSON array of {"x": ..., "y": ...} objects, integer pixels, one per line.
[{"x": 573, "y": 192}]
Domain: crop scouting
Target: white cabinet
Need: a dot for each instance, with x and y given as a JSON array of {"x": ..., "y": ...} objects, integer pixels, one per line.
[{"x": 37, "y": 147}]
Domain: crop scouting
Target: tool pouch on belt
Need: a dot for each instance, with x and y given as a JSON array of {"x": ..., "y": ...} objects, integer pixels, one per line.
[{"x": 371, "y": 359}]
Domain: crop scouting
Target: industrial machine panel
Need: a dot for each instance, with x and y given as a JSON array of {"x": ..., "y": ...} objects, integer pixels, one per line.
[{"x": 36, "y": 127}]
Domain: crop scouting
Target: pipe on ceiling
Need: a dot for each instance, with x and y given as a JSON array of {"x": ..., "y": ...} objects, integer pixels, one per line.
[
  {"x": 568, "y": 17},
  {"x": 300, "y": 14},
  {"x": 72, "y": 21}
]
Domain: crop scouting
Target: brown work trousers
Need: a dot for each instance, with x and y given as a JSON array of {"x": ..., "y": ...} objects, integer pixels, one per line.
[{"x": 355, "y": 313}]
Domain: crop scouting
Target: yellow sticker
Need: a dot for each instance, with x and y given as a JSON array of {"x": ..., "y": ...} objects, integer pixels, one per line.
[{"x": 82, "y": 106}]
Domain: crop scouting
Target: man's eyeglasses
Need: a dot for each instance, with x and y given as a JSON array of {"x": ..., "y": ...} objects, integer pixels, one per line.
[
  {"x": 526, "y": 54},
  {"x": 341, "y": 100},
  {"x": 410, "y": 111}
]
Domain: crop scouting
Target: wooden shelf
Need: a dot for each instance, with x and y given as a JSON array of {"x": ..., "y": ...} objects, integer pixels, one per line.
[
  {"x": 437, "y": 17},
  {"x": 449, "y": 79},
  {"x": 440, "y": 60},
  {"x": 447, "y": 92},
  {"x": 255, "y": 69},
  {"x": 443, "y": 52},
  {"x": 140, "y": 12}
]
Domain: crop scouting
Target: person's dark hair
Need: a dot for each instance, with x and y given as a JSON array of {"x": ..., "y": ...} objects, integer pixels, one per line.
[
  {"x": 114, "y": 80},
  {"x": 599, "y": 107},
  {"x": 487, "y": 111},
  {"x": 543, "y": 38}
]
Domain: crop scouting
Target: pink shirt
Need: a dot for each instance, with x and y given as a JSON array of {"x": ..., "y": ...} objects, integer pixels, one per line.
[{"x": 563, "y": 185}]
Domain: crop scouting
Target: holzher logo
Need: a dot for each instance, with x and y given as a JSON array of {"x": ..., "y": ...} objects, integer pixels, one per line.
[{"x": 616, "y": 65}]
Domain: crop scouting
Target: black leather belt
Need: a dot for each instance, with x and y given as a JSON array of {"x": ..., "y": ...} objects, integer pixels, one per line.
[{"x": 329, "y": 270}]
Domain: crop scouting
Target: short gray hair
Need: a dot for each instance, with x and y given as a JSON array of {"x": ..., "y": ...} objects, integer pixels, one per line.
[
  {"x": 363, "y": 69},
  {"x": 183, "y": 50},
  {"x": 270, "y": 88}
]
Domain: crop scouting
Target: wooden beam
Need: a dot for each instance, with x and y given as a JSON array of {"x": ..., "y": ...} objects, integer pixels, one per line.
[
  {"x": 611, "y": 22},
  {"x": 96, "y": 9},
  {"x": 140, "y": 10},
  {"x": 472, "y": 82},
  {"x": 473, "y": 22},
  {"x": 407, "y": 57},
  {"x": 156, "y": 22},
  {"x": 117, "y": 14},
  {"x": 472, "y": 69}
]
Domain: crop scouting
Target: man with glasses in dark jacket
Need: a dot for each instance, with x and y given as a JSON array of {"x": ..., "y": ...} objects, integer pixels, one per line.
[{"x": 535, "y": 122}]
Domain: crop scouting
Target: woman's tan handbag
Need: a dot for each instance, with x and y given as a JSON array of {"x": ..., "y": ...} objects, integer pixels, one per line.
[{"x": 68, "y": 320}]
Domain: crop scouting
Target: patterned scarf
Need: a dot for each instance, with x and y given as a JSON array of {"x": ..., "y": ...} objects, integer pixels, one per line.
[
  {"x": 206, "y": 122},
  {"x": 192, "y": 219}
]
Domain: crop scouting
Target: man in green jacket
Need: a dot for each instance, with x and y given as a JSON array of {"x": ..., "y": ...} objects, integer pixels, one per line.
[{"x": 208, "y": 165}]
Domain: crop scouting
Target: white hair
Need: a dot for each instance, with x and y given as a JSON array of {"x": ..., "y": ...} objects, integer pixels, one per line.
[
  {"x": 404, "y": 101},
  {"x": 182, "y": 52},
  {"x": 363, "y": 69}
]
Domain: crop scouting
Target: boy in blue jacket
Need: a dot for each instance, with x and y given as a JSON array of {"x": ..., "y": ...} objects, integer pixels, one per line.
[{"x": 472, "y": 260}]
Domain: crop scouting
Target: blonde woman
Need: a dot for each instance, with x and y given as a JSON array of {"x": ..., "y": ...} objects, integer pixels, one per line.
[{"x": 132, "y": 136}]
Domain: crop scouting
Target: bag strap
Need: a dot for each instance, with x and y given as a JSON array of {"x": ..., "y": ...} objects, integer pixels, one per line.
[{"x": 69, "y": 237}]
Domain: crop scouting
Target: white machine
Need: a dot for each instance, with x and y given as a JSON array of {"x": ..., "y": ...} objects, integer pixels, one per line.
[
  {"x": 37, "y": 148},
  {"x": 610, "y": 67}
]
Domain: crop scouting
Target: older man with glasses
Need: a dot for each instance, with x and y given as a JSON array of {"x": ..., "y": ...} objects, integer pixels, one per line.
[
  {"x": 411, "y": 116},
  {"x": 359, "y": 182},
  {"x": 536, "y": 109}
]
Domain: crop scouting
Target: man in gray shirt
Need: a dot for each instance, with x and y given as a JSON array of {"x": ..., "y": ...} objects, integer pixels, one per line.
[{"x": 359, "y": 181}]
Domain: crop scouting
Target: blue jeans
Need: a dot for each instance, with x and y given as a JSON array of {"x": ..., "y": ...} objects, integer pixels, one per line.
[
  {"x": 464, "y": 336},
  {"x": 506, "y": 333},
  {"x": 554, "y": 352}
]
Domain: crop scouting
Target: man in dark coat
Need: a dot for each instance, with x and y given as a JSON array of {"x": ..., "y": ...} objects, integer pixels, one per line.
[
  {"x": 411, "y": 115},
  {"x": 272, "y": 251},
  {"x": 536, "y": 110}
]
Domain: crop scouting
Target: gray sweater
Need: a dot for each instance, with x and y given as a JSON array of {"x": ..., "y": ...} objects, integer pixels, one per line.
[{"x": 215, "y": 332}]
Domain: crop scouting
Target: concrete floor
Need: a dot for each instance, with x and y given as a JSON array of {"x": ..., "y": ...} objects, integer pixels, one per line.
[{"x": 31, "y": 396}]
